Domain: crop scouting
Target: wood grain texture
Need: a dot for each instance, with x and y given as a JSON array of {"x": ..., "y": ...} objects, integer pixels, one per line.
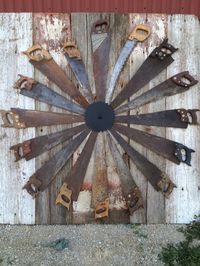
[
  {"x": 16, "y": 206},
  {"x": 119, "y": 26},
  {"x": 184, "y": 202},
  {"x": 50, "y": 31},
  {"x": 139, "y": 54},
  {"x": 155, "y": 200},
  {"x": 17, "y": 33}
]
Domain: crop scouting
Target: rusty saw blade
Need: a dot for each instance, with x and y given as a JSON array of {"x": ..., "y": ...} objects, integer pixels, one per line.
[
  {"x": 77, "y": 65},
  {"x": 155, "y": 63},
  {"x": 38, "y": 91},
  {"x": 33, "y": 147},
  {"x": 40, "y": 180},
  {"x": 139, "y": 34},
  {"x": 158, "y": 179},
  {"x": 73, "y": 182},
  {"x": 100, "y": 37},
  {"x": 130, "y": 190},
  {"x": 23, "y": 118},
  {"x": 171, "y": 150},
  {"x": 43, "y": 61},
  {"x": 177, "y": 84},
  {"x": 178, "y": 118},
  {"x": 100, "y": 197}
]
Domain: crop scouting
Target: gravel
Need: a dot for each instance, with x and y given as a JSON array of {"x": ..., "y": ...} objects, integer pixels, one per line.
[{"x": 86, "y": 244}]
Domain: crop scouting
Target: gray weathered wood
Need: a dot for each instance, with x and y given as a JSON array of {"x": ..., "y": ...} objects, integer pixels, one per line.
[
  {"x": 119, "y": 25},
  {"x": 137, "y": 57},
  {"x": 155, "y": 200},
  {"x": 50, "y": 31},
  {"x": 16, "y": 206},
  {"x": 184, "y": 203}
]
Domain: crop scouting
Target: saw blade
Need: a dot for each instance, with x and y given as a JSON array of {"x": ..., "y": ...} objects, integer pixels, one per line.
[
  {"x": 43, "y": 61},
  {"x": 38, "y": 91},
  {"x": 171, "y": 150},
  {"x": 40, "y": 180},
  {"x": 159, "y": 180},
  {"x": 171, "y": 86},
  {"x": 131, "y": 191},
  {"x": 31, "y": 148},
  {"x": 100, "y": 196},
  {"x": 139, "y": 34},
  {"x": 125, "y": 52},
  {"x": 100, "y": 38},
  {"x": 77, "y": 65},
  {"x": 73, "y": 182},
  {"x": 177, "y": 118},
  {"x": 155, "y": 63},
  {"x": 23, "y": 118}
]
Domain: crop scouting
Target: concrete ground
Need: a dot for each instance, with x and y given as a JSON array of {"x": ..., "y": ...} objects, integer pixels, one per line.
[{"x": 85, "y": 244}]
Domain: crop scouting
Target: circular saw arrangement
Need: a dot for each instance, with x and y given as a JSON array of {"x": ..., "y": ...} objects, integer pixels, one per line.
[{"x": 93, "y": 114}]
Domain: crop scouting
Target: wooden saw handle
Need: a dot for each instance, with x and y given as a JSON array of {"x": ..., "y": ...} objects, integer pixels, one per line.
[{"x": 140, "y": 33}]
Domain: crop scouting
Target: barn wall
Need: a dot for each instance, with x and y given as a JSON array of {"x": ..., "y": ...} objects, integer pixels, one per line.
[
  {"x": 15, "y": 36},
  {"x": 20, "y": 31}
]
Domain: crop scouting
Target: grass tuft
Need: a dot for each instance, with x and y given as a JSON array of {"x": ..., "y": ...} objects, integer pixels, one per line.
[{"x": 185, "y": 253}]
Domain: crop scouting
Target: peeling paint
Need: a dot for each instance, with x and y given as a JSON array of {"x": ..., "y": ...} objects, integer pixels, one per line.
[
  {"x": 53, "y": 30},
  {"x": 83, "y": 203}
]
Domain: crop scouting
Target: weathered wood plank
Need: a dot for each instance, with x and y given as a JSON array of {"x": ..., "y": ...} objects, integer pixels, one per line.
[
  {"x": 184, "y": 202},
  {"x": 137, "y": 57},
  {"x": 81, "y": 23},
  {"x": 16, "y": 206},
  {"x": 155, "y": 200},
  {"x": 120, "y": 30},
  {"x": 119, "y": 26},
  {"x": 50, "y": 31}
]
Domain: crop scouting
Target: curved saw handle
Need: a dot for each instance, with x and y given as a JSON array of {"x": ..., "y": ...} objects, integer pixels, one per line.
[
  {"x": 71, "y": 49},
  {"x": 24, "y": 82},
  {"x": 140, "y": 33},
  {"x": 11, "y": 119},
  {"x": 101, "y": 209},
  {"x": 37, "y": 53},
  {"x": 184, "y": 79},
  {"x": 100, "y": 26},
  {"x": 64, "y": 196}
]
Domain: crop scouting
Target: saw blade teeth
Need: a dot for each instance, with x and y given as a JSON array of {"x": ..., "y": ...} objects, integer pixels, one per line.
[{"x": 97, "y": 40}]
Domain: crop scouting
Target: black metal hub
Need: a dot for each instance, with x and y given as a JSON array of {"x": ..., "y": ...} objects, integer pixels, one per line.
[{"x": 99, "y": 116}]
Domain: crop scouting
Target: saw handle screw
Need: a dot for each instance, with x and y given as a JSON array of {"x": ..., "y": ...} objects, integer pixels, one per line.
[{"x": 184, "y": 79}]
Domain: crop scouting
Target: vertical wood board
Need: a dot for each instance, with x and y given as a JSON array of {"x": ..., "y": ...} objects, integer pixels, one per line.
[
  {"x": 17, "y": 33},
  {"x": 16, "y": 206},
  {"x": 184, "y": 203}
]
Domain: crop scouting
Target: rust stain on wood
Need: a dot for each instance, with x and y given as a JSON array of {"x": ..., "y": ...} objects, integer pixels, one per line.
[{"x": 51, "y": 29}]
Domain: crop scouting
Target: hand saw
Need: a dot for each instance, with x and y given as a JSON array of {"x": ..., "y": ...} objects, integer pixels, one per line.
[
  {"x": 40, "y": 180},
  {"x": 130, "y": 190},
  {"x": 43, "y": 61},
  {"x": 177, "y": 84},
  {"x": 171, "y": 150},
  {"x": 22, "y": 118},
  {"x": 155, "y": 63},
  {"x": 100, "y": 197},
  {"x": 71, "y": 187},
  {"x": 77, "y": 65},
  {"x": 100, "y": 37},
  {"x": 139, "y": 34},
  {"x": 38, "y": 91},
  {"x": 178, "y": 118},
  {"x": 159, "y": 180},
  {"x": 33, "y": 147}
]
